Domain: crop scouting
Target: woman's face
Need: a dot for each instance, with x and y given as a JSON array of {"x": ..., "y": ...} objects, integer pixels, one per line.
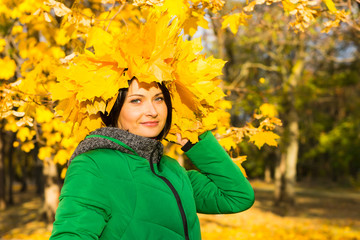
[{"x": 144, "y": 111}]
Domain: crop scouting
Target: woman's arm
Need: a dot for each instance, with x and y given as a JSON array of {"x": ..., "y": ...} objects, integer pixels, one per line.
[
  {"x": 83, "y": 209},
  {"x": 220, "y": 186}
]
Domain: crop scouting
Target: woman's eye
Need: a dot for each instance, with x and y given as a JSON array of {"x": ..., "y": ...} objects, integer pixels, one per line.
[
  {"x": 135, "y": 101},
  {"x": 159, "y": 99}
]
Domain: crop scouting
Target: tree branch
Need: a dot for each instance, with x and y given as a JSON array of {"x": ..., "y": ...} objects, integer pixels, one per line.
[{"x": 117, "y": 13}]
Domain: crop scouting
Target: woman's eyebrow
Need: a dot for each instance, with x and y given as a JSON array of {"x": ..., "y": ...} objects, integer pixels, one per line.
[
  {"x": 136, "y": 95},
  {"x": 140, "y": 95}
]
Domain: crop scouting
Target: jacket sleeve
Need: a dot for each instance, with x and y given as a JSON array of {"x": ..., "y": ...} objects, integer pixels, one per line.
[
  {"x": 220, "y": 186},
  {"x": 83, "y": 209}
]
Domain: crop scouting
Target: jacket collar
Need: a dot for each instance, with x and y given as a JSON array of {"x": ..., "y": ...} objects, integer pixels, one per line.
[{"x": 124, "y": 141}]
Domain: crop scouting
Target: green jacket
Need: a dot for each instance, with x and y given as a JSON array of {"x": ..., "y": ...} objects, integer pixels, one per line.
[{"x": 114, "y": 194}]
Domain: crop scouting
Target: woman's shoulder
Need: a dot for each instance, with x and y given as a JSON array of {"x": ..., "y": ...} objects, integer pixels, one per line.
[
  {"x": 102, "y": 158},
  {"x": 165, "y": 159},
  {"x": 171, "y": 163},
  {"x": 101, "y": 154}
]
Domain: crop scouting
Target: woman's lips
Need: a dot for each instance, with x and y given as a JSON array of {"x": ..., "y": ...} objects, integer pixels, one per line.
[{"x": 150, "y": 123}]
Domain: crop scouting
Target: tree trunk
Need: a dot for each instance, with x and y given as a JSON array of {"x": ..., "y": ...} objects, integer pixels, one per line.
[
  {"x": 52, "y": 190},
  {"x": 11, "y": 170},
  {"x": 285, "y": 172},
  {"x": 291, "y": 157},
  {"x": 280, "y": 170},
  {"x": 286, "y": 177},
  {"x": 267, "y": 173},
  {"x": 2, "y": 169},
  {"x": 38, "y": 171},
  {"x": 23, "y": 161}
]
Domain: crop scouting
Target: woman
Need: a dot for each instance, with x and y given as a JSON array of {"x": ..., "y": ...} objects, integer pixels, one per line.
[{"x": 119, "y": 184}]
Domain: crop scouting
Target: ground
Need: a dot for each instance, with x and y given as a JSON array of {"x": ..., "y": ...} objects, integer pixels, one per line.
[{"x": 320, "y": 213}]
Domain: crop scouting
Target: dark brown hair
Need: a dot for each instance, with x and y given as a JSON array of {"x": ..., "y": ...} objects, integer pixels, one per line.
[{"x": 111, "y": 119}]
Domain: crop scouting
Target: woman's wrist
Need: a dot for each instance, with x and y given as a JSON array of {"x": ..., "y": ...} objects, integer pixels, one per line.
[{"x": 187, "y": 146}]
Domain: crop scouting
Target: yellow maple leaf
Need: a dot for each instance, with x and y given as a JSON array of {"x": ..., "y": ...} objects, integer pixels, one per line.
[
  {"x": 11, "y": 125},
  {"x": 190, "y": 26},
  {"x": 61, "y": 37},
  {"x": 100, "y": 40},
  {"x": 26, "y": 120},
  {"x": 61, "y": 157},
  {"x": 191, "y": 23},
  {"x": 235, "y": 20},
  {"x": 7, "y": 68},
  {"x": 177, "y": 8},
  {"x": 17, "y": 29},
  {"x": 54, "y": 138},
  {"x": 230, "y": 21},
  {"x": 25, "y": 133},
  {"x": 28, "y": 146},
  {"x": 330, "y": 5},
  {"x": 227, "y": 142},
  {"x": 238, "y": 161},
  {"x": 263, "y": 137},
  {"x": 268, "y": 110},
  {"x": 211, "y": 119},
  {"x": 250, "y": 7},
  {"x": 45, "y": 152},
  {"x": 288, "y": 6},
  {"x": 59, "y": 8},
  {"x": 43, "y": 115},
  {"x": 63, "y": 173}
]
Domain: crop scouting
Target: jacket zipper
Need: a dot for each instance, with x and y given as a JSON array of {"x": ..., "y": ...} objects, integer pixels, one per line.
[{"x": 178, "y": 201}]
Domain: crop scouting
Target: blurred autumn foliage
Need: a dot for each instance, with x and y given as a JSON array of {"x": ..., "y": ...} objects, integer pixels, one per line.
[{"x": 294, "y": 60}]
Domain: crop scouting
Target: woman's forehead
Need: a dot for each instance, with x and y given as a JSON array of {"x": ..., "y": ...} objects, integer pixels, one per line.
[{"x": 137, "y": 86}]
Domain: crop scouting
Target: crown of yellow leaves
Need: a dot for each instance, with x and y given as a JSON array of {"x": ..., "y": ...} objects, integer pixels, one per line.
[{"x": 152, "y": 52}]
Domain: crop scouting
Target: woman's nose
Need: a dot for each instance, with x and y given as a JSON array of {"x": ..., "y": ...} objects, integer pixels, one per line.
[{"x": 151, "y": 110}]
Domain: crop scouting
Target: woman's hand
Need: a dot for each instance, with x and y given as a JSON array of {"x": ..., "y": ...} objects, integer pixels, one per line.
[{"x": 180, "y": 140}]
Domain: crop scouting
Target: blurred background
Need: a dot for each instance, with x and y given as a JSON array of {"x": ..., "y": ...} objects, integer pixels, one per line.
[{"x": 308, "y": 75}]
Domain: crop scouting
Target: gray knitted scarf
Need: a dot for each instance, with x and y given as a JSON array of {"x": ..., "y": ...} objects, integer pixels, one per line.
[{"x": 147, "y": 148}]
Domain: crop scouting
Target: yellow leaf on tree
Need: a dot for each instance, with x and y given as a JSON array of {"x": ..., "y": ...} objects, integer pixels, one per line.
[
  {"x": 288, "y": 6},
  {"x": 7, "y": 68},
  {"x": 27, "y": 147},
  {"x": 211, "y": 119},
  {"x": 61, "y": 36},
  {"x": 59, "y": 8},
  {"x": 45, "y": 152},
  {"x": 191, "y": 24},
  {"x": 43, "y": 115},
  {"x": 100, "y": 40},
  {"x": 238, "y": 161},
  {"x": 17, "y": 29},
  {"x": 61, "y": 157},
  {"x": 63, "y": 173},
  {"x": 176, "y": 7},
  {"x": 227, "y": 142},
  {"x": 233, "y": 21},
  {"x": 11, "y": 125},
  {"x": 54, "y": 139},
  {"x": 250, "y": 7},
  {"x": 25, "y": 133},
  {"x": 330, "y": 5},
  {"x": 261, "y": 138},
  {"x": 268, "y": 110}
]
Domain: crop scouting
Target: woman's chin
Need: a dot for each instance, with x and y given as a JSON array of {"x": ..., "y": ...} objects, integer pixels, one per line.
[{"x": 149, "y": 133}]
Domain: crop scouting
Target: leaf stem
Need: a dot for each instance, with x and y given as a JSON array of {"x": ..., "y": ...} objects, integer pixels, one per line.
[{"x": 117, "y": 13}]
